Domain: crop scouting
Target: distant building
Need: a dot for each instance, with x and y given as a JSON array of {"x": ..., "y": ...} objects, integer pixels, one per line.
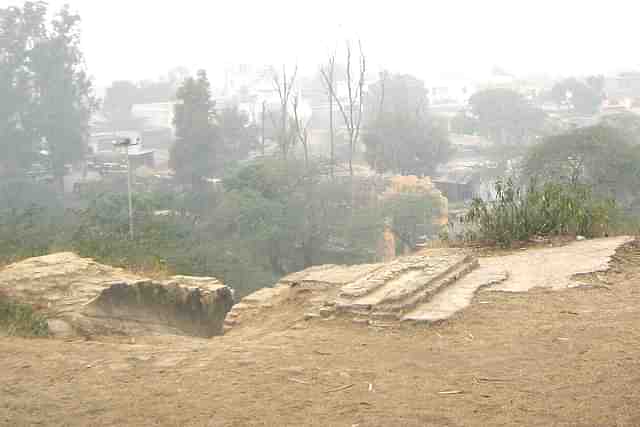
[
  {"x": 158, "y": 115},
  {"x": 103, "y": 153},
  {"x": 449, "y": 93},
  {"x": 461, "y": 178},
  {"x": 623, "y": 85}
]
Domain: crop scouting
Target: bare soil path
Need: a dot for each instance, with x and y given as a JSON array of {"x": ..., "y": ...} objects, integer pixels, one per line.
[
  {"x": 551, "y": 267},
  {"x": 541, "y": 358}
]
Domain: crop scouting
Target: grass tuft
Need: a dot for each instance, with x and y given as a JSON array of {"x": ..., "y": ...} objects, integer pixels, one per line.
[{"x": 21, "y": 320}]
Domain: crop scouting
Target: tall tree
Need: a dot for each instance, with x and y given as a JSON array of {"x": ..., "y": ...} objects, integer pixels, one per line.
[
  {"x": 599, "y": 156},
  {"x": 351, "y": 106},
  {"x": 239, "y": 137},
  {"x": 64, "y": 92},
  {"x": 21, "y": 29},
  {"x": 301, "y": 128},
  {"x": 284, "y": 87},
  {"x": 505, "y": 116},
  {"x": 43, "y": 77},
  {"x": 329, "y": 80},
  {"x": 197, "y": 148},
  {"x": 400, "y": 135},
  {"x": 583, "y": 97}
]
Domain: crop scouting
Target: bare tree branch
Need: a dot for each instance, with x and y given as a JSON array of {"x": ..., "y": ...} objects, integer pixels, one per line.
[
  {"x": 302, "y": 131},
  {"x": 284, "y": 87},
  {"x": 352, "y": 119},
  {"x": 329, "y": 79}
]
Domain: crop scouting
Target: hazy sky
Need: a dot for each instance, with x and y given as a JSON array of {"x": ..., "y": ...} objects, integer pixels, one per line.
[{"x": 135, "y": 39}]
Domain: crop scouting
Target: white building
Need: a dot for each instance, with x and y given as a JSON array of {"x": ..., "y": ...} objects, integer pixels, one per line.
[{"x": 158, "y": 115}]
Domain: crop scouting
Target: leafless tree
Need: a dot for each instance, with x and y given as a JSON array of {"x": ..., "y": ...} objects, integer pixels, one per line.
[
  {"x": 383, "y": 80},
  {"x": 284, "y": 88},
  {"x": 329, "y": 80},
  {"x": 301, "y": 129},
  {"x": 351, "y": 110}
]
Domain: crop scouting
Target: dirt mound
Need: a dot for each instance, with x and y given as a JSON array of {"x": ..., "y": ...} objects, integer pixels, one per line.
[
  {"x": 430, "y": 286},
  {"x": 81, "y": 296},
  {"x": 368, "y": 292}
]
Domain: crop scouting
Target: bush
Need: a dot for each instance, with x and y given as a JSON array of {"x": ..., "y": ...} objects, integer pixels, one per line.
[
  {"x": 518, "y": 214},
  {"x": 412, "y": 217},
  {"x": 21, "y": 320}
]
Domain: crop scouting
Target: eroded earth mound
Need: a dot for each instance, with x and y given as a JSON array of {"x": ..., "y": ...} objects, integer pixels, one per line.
[
  {"x": 79, "y": 296},
  {"x": 426, "y": 287}
]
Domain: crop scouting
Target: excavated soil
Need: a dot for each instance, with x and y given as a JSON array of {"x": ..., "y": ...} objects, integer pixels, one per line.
[{"x": 541, "y": 358}]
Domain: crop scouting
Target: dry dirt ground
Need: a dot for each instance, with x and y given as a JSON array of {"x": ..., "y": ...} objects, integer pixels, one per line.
[{"x": 542, "y": 358}]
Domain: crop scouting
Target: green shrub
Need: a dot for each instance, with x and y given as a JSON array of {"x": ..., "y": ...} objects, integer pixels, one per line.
[
  {"x": 412, "y": 216},
  {"x": 518, "y": 214},
  {"x": 21, "y": 320}
]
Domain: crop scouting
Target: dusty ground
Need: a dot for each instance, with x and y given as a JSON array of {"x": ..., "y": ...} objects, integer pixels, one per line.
[{"x": 543, "y": 358}]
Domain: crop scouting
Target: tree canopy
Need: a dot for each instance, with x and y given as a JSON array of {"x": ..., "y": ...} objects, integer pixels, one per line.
[
  {"x": 626, "y": 123},
  {"x": 45, "y": 93},
  {"x": 208, "y": 141},
  {"x": 598, "y": 156},
  {"x": 400, "y": 135},
  {"x": 584, "y": 97},
  {"x": 505, "y": 116},
  {"x": 193, "y": 156}
]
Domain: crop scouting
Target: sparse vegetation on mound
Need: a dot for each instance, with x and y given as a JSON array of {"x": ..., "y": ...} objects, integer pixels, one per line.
[{"x": 520, "y": 213}]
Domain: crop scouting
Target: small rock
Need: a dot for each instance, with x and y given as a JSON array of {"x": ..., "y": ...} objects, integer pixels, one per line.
[
  {"x": 293, "y": 370},
  {"x": 326, "y": 312},
  {"x": 580, "y": 238},
  {"x": 381, "y": 324},
  {"x": 60, "y": 328},
  {"x": 310, "y": 316}
]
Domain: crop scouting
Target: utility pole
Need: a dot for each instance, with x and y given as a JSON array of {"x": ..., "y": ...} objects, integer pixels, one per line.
[{"x": 126, "y": 143}]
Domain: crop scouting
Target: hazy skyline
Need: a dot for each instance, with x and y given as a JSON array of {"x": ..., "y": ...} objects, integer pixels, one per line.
[{"x": 141, "y": 39}]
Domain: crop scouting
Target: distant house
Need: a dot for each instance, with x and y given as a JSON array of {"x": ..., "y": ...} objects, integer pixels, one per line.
[
  {"x": 104, "y": 155},
  {"x": 158, "y": 115},
  {"x": 460, "y": 179},
  {"x": 623, "y": 85}
]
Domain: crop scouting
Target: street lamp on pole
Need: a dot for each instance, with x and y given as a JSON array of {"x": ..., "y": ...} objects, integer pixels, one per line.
[{"x": 126, "y": 143}]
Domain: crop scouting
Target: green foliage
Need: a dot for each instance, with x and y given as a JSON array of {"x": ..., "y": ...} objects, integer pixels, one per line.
[
  {"x": 45, "y": 93},
  {"x": 600, "y": 157},
  {"x": 626, "y": 123},
  {"x": 409, "y": 146},
  {"x": 400, "y": 136},
  {"x": 584, "y": 98},
  {"x": 269, "y": 218},
  {"x": 412, "y": 216},
  {"x": 28, "y": 213},
  {"x": 239, "y": 138},
  {"x": 19, "y": 28},
  {"x": 397, "y": 94},
  {"x": 464, "y": 124},
  {"x": 518, "y": 214},
  {"x": 194, "y": 154},
  {"x": 505, "y": 116},
  {"x": 273, "y": 178},
  {"x": 21, "y": 320},
  {"x": 208, "y": 142}
]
